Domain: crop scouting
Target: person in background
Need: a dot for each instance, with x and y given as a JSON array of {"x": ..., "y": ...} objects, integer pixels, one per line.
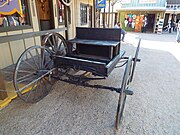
[
  {"x": 144, "y": 27},
  {"x": 178, "y": 32},
  {"x": 169, "y": 26},
  {"x": 123, "y": 32}
]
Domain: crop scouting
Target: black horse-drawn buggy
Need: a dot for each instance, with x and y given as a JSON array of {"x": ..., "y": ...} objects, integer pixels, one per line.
[{"x": 93, "y": 50}]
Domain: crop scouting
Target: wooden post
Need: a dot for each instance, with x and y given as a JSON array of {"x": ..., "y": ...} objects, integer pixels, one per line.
[
  {"x": 66, "y": 23},
  {"x": 94, "y": 13},
  {"x": 109, "y": 13},
  {"x": 3, "y": 95},
  {"x": 112, "y": 15},
  {"x": 104, "y": 21}
]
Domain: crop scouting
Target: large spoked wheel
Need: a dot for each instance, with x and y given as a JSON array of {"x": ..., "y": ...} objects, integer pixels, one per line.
[
  {"x": 32, "y": 74},
  {"x": 67, "y": 2},
  {"x": 135, "y": 60},
  {"x": 122, "y": 95}
]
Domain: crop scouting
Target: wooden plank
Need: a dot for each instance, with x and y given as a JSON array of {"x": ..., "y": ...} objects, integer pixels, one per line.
[
  {"x": 9, "y": 38},
  {"x": 3, "y": 95},
  {"x": 94, "y": 42}
]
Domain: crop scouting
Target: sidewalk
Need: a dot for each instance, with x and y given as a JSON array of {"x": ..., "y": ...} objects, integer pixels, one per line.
[{"x": 70, "y": 110}]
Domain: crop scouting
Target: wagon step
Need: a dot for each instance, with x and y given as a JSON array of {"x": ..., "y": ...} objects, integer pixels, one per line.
[
  {"x": 129, "y": 92},
  {"x": 139, "y": 60},
  {"x": 126, "y": 91}
]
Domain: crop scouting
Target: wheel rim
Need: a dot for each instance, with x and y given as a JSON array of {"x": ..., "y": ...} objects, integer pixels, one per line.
[
  {"x": 135, "y": 60},
  {"x": 55, "y": 43},
  {"x": 122, "y": 95},
  {"x": 32, "y": 73}
]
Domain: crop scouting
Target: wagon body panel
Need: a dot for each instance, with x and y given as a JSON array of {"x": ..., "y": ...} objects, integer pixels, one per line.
[{"x": 100, "y": 68}]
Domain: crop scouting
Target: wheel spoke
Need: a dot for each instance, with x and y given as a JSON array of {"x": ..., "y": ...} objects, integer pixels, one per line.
[
  {"x": 42, "y": 61},
  {"x": 53, "y": 38},
  {"x": 30, "y": 91},
  {"x": 56, "y": 39},
  {"x": 24, "y": 71},
  {"x": 24, "y": 77},
  {"x": 50, "y": 42},
  {"x": 60, "y": 44},
  {"x": 33, "y": 60},
  {"x": 39, "y": 59},
  {"x": 29, "y": 64},
  {"x": 56, "y": 43},
  {"x": 48, "y": 64}
]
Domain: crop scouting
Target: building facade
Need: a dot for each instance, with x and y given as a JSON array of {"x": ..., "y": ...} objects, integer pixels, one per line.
[
  {"x": 172, "y": 12},
  {"x": 40, "y": 15},
  {"x": 141, "y": 15}
]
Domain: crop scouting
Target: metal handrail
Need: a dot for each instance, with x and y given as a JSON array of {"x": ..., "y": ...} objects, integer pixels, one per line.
[{"x": 4, "y": 39}]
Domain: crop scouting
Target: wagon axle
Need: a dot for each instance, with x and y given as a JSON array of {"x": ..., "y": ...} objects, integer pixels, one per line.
[{"x": 83, "y": 81}]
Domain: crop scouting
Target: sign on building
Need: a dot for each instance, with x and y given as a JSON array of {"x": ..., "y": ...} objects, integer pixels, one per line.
[
  {"x": 9, "y": 7},
  {"x": 160, "y": 26},
  {"x": 100, "y": 3}
]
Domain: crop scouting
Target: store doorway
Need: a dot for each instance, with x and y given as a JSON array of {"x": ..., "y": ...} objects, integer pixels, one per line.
[
  {"x": 45, "y": 14},
  {"x": 166, "y": 19},
  {"x": 150, "y": 20},
  {"x": 177, "y": 18}
]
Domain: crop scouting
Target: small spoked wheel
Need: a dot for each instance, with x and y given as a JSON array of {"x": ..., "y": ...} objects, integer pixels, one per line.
[
  {"x": 32, "y": 74},
  {"x": 122, "y": 95},
  {"x": 55, "y": 43},
  {"x": 67, "y": 2},
  {"x": 135, "y": 59}
]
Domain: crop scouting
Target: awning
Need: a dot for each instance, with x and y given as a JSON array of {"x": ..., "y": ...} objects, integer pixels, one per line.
[{"x": 142, "y": 9}]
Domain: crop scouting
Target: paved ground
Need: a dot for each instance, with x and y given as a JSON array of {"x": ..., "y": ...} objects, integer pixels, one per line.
[{"x": 154, "y": 109}]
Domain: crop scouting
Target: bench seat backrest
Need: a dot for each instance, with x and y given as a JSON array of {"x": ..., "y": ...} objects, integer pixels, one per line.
[{"x": 104, "y": 34}]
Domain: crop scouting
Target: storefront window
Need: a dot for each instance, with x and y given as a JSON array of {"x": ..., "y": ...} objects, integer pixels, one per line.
[
  {"x": 61, "y": 12},
  {"x": 83, "y": 12},
  {"x": 16, "y": 19},
  {"x": 135, "y": 22}
]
